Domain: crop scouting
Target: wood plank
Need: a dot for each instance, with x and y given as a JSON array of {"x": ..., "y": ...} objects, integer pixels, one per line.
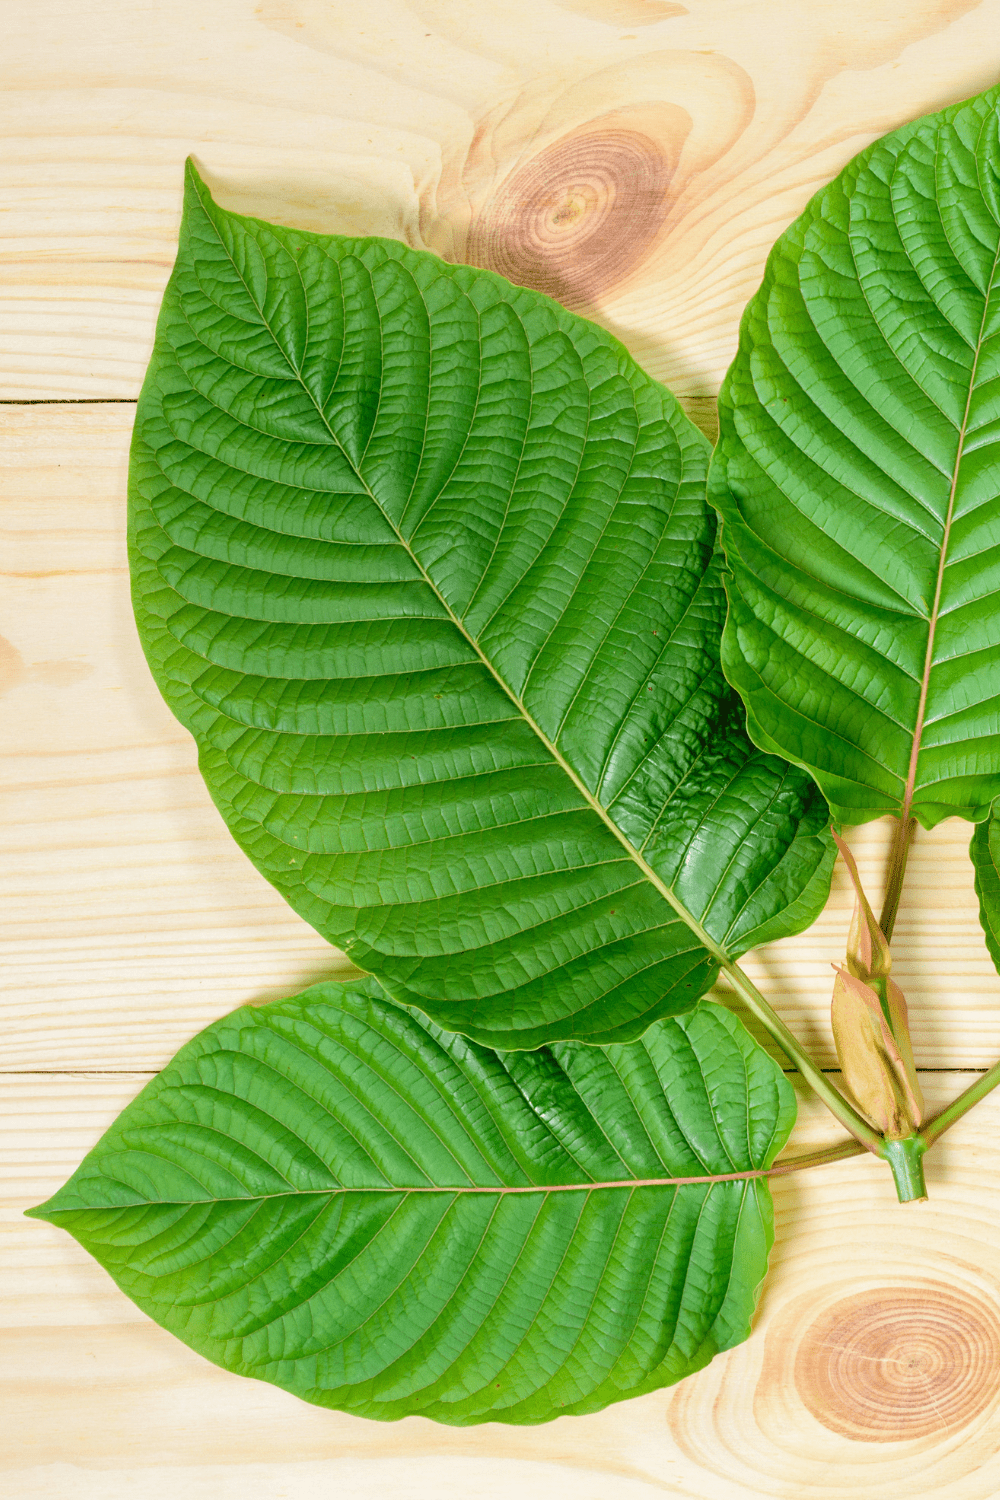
[
  {"x": 436, "y": 122},
  {"x": 100, "y": 1402},
  {"x": 131, "y": 919}
]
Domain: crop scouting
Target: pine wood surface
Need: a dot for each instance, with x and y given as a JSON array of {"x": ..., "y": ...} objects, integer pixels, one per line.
[{"x": 635, "y": 158}]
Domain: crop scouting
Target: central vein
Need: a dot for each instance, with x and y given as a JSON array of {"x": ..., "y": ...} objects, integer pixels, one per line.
[{"x": 918, "y": 729}]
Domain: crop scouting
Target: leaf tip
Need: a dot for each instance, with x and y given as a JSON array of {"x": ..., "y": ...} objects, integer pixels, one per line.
[
  {"x": 197, "y": 193},
  {"x": 62, "y": 1201},
  {"x": 192, "y": 176},
  {"x": 40, "y": 1211}
]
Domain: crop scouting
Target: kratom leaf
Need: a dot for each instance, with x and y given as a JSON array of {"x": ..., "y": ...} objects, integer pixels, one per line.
[
  {"x": 857, "y": 473},
  {"x": 985, "y": 854},
  {"x": 335, "y": 1196},
  {"x": 425, "y": 564}
]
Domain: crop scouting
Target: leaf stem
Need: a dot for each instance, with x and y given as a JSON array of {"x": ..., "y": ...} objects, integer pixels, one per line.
[
  {"x": 816, "y": 1079},
  {"x": 899, "y": 853},
  {"x": 961, "y": 1106},
  {"x": 799, "y": 1163},
  {"x": 905, "y": 1159}
]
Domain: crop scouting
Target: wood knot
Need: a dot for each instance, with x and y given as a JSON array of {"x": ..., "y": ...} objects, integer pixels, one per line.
[
  {"x": 579, "y": 217},
  {"x": 898, "y": 1362}
]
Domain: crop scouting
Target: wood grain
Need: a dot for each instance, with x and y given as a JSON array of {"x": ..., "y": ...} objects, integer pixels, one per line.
[
  {"x": 130, "y": 919},
  {"x": 902, "y": 1362},
  {"x": 637, "y": 158},
  {"x": 99, "y": 1402},
  {"x": 679, "y": 139}
]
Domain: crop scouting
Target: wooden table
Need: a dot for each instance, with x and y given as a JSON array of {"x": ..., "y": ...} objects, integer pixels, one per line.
[{"x": 511, "y": 132}]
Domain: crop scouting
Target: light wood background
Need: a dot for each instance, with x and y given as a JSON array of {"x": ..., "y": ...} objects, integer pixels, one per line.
[{"x": 636, "y": 158}]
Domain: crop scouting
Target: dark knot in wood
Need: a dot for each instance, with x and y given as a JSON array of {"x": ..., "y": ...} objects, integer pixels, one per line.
[
  {"x": 900, "y": 1362},
  {"x": 577, "y": 219}
]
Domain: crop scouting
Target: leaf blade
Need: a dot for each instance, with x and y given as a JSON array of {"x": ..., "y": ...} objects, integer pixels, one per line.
[
  {"x": 386, "y": 1218},
  {"x": 424, "y": 563},
  {"x": 852, "y": 474}
]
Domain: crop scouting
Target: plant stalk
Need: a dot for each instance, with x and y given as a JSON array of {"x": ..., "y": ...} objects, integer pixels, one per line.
[
  {"x": 905, "y": 1158},
  {"x": 961, "y": 1106},
  {"x": 899, "y": 852},
  {"x": 840, "y": 1152},
  {"x": 816, "y": 1079}
]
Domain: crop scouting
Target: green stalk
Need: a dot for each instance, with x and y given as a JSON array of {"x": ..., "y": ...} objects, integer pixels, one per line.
[
  {"x": 898, "y": 854},
  {"x": 839, "y": 1152},
  {"x": 817, "y": 1080},
  {"x": 905, "y": 1160},
  {"x": 961, "y": 1106}
]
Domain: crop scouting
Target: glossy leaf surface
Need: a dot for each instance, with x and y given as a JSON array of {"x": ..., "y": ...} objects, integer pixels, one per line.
[
  {"x": 985, "y": 854},
  {"x": 857, "y": 474},
  {"x": 425, "y": 564},
  {"x": 335, "y": 1196}
]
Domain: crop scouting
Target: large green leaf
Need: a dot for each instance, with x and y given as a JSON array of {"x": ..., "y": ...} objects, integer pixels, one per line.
[
  {"x": 985, "y": 854},
  {"x": 425, "y": 564},
  {"x": 858, "y": 473},
  {"x": 333, "y": 1195}
]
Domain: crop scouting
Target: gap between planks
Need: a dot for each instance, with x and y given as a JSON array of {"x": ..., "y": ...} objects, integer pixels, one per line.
[{"x": 154, "y": 1072}]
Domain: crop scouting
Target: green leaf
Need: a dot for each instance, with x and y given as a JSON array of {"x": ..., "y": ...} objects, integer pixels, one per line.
[
  {"x": 335, "y": 1196},
  {"x": 857, "y": 477},
  {"x": 984, "y": 852},
  {"x": 425, "y": 564}
]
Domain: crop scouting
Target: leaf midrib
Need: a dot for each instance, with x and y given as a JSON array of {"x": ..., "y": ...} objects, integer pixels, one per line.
[
  {"x": 918, "y": 730},
  {"x": 501, "y": 1191},
  {"x": 717, "y": 951}
]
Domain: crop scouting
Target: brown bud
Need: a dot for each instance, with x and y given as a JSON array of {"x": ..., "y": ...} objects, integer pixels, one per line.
[
  {"x": 870, "y": 1025},
  {"x": 876, "y": 1059},
  {"x": 868, "y": 955}
]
